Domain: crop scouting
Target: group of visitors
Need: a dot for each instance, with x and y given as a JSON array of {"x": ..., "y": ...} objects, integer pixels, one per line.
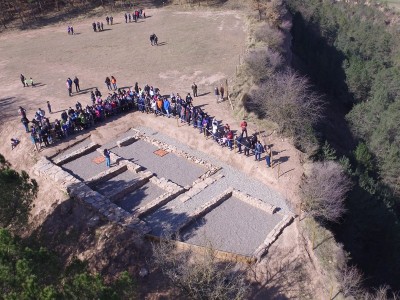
[
  {"x": 26, "y": 82},
  {"x": 111, "y": 83},
  {"x": 110, "y": 20},
  {"x": 135, "y": 15},
  {"x": 219, "y": 93},
  {"x": 97, "y": 27},
  {"x": 147, "y": 100},
  {"x": 69, "y": 85},
  {"x": 70, "y": 30}
]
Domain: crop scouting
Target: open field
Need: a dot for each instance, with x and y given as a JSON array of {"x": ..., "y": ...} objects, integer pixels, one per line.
[{"x": 187, "y": 40}]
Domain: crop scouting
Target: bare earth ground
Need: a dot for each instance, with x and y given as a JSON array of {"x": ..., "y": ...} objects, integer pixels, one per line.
[{"x": 196, "y": 46}]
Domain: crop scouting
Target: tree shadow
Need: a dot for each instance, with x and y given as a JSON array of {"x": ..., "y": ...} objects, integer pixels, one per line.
[{"x": 279, "y": 274}]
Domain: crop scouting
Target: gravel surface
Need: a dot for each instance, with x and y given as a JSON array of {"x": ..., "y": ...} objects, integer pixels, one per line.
[
  {"x": 140, "y": 197},
  {"x": 233, "y": 226},
  {"x": 170, "y": 166},
  {"x": 83, "y": 167},
  {"x": 81, "y": 144},
  {"x": 116, "y": 183}
]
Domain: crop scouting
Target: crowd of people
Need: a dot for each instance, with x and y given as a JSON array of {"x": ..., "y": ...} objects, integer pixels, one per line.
[
  {"x": 134, "y": 16},
  {"x": 145, "y": 100}
]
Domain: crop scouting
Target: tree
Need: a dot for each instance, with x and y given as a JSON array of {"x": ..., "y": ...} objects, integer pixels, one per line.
[
  {"x": 324, "y": 190},
  {"x": 31, "y": 273},
  {"x": 17, "y": 192}
]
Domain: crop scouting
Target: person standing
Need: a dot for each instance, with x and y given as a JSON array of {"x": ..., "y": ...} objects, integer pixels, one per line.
[
  {"x": 243, "y": 125},
  {"x": 107, "y": 156},
  {"x": 194, "y": 89},
  {"x": 114, "y": 82},
  {"x": 221, "y": 92},
  {"x": 49, "y": 107},
  {"x": 25, "y": 122},
  {"x": 22, "y": 77},
  {"x": 76, "y": 82},
  {"x": 72, "y": 30},
  {"x": 111, "y": 20},
  {"x": 258, "y": 150},
  {"x": 129, "y": 17},
  {"x": 108, "y": 20},
  {"x": 268, "y": 154},
  {"x": 216, "y": 93},
  {"x": 102, "y": 26},
  {"x": 69, "y": 86},
  {"x": 31, "y": 82},
  {"x": 126, "y": 18},
  {"x": 108, "y": 83},
  {"x": 98, "y": 27},
  {"x": 246, "y": 146},
  {"x": 94, "y": 26}
]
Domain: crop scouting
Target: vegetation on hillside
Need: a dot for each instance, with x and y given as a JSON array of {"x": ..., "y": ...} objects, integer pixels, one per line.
[
  {"x": 350, "y": 51},
  {"x": 30, "y": 271}
]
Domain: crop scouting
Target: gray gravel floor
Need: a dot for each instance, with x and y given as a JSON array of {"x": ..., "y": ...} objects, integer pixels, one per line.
[
  {"x": 82, "y": 144},
  {"x": 170, "y": 166},
  {"x": 84, "y": 168},
  {"x": 116, "y": 183},
  {"x": 233, "y": 226},
  {"x": 140, "y": 197}
]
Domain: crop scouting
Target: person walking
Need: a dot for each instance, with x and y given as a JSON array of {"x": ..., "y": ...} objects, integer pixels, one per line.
[
  {"x": 114, "y": 82},
  {"x": 76, "y": 82},
  {"x": 102, "y": 26},
  {"x": 72, "y": 30},
  {"x": 194, "y": 89},
  {"x": 126, "y": 18},
  {"x": 31, "y": 82},
  {"x": 216, "y": 93},
  {"x": 152, "y": 39},
  {"x": 23, "y": 80},
  {"x": 107, "y": 156},
  {"x": 221, "y": 92},
  {"x": 94, "y": 26},
  {"x": 69, "y": 86},
  {"x": 98, "y": 27},
  {"x": 243, "y": 125},
  {"x": 268, "y": 154},
  {"x": 108, "y": 20},
  {"x": 111, "y": 20}
]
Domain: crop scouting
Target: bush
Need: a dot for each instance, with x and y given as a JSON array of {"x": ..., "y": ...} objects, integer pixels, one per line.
[
  {"x": 288, "y": 100},
  {"x": 323, "y": 192},
  {"x": 261, "y": 64},
  {"x": 273, "y": 38}
]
